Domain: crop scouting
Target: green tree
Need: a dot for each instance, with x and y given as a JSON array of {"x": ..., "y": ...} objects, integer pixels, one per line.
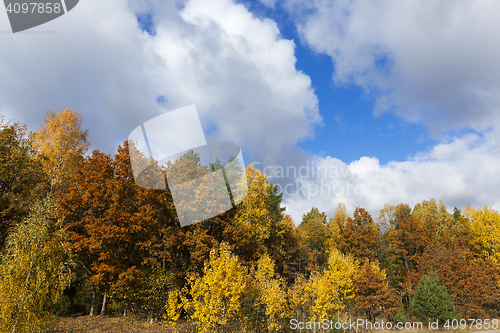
[
  {"x": 34, "y": 271},
  {"x": 431, "y": 300},
  {"x": 456, "y": 214}
]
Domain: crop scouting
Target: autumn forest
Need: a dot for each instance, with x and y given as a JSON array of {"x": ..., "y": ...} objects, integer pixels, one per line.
[{"x": 78, "y": 237}]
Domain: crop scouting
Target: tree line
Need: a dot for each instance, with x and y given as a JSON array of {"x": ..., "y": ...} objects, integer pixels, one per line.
[{"x": 78, "y": 236}]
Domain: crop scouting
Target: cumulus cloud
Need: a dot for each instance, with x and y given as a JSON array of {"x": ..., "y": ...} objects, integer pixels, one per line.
[
  {"x": 242, "y": 75},
  {"x": 459, "y": 171},
  {"x": 430, "y": 62},
  {"x": 434, "y": 62},
  {"x": 236, "y": 68}
]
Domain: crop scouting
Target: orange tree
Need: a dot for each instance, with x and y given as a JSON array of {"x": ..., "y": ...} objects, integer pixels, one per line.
[
  {"x": 114, "y": 225},
  {"x": 373, "y": 294},
  {"x": 407, "y": 240},
  {"x": 472, "y": 282},
  {"x": 360, "y": 236}
]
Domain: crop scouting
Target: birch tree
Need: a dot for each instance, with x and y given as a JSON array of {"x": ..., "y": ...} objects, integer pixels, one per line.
[{"x": 34, "y": 270}]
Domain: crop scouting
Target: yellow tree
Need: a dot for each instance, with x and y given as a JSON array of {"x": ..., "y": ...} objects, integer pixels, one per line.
[
  {"x": 341, "y": 214},
  {"x": 34, "y": 271},
  {"x": 431, "y": 210},
  {"x": 272, "y": 295},
  {"x": 485, "y": 231},
  {"x": 334, "y": 287},
  {"x": 62, "y": 143},
  {"x": 218, "y": 294},
  {"x": 254, "y": 212},
  {"x": 301, "y": 298},
  {"x": 326, "y": 294},
  {"x": 22, "y": 179},
  {"x": 333, "y": 226},
  {"x": 387, "y": 216},
  {"x": 314, "y": 229}
]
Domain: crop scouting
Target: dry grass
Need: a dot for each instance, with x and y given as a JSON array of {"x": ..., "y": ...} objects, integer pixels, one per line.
[
  {"x": 86, "y": 324},
  {"x": 97, "y": 324}
]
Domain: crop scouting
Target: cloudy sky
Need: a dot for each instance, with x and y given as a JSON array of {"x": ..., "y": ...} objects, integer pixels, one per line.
[{"x": 360, "y": 102}]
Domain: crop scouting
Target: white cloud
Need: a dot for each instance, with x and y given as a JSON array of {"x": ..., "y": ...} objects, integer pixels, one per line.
[
  {"x": 241, "y": 75},
  {"x": 434, "y": 62},
  {"x": 236, "y": 68},
  {"x": 461, "y": 171}
]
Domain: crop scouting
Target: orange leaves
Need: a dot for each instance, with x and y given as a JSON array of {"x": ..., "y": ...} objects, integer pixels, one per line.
[
  {"x": 472, "y": 283},
  {"x": 109, "y": 217},
  {"x": 373, "y": 295},
  {"x": 360, "y": 236}
]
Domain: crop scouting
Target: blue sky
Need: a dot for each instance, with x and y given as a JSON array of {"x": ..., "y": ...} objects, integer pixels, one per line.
[
  {"x": 350, "y": 129},
  {"x": 399, "y": 100}
]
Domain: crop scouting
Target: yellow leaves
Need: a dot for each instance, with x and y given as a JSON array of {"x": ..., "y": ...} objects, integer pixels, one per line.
[
  {"x": 301, "y": 298},
  {"x": 173, "y": 307},
  {"x": 253, "y": 211},
  {"x": 271, "y": 294},
  {"x": 62, "y": 144},
  {"x": 273, "y": 297},
  {"x": 468, "y": 211},
  {"x": 217, "y": 296},
  {"x": 341, "y": 215},
  {"x": 227, "y": 296},
  {"x": 485, "y": 230},
  {"x": 434, "y": 211},
  {"x": 335, "y": 286},
  {"x": 265, "y": 268},
  {"x": 325, "y": 294},
  {"x": 34, "y": 271}
]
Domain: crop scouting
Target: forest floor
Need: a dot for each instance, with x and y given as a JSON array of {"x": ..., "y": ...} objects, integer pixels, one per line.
[{"x": 98, "y": 324}]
